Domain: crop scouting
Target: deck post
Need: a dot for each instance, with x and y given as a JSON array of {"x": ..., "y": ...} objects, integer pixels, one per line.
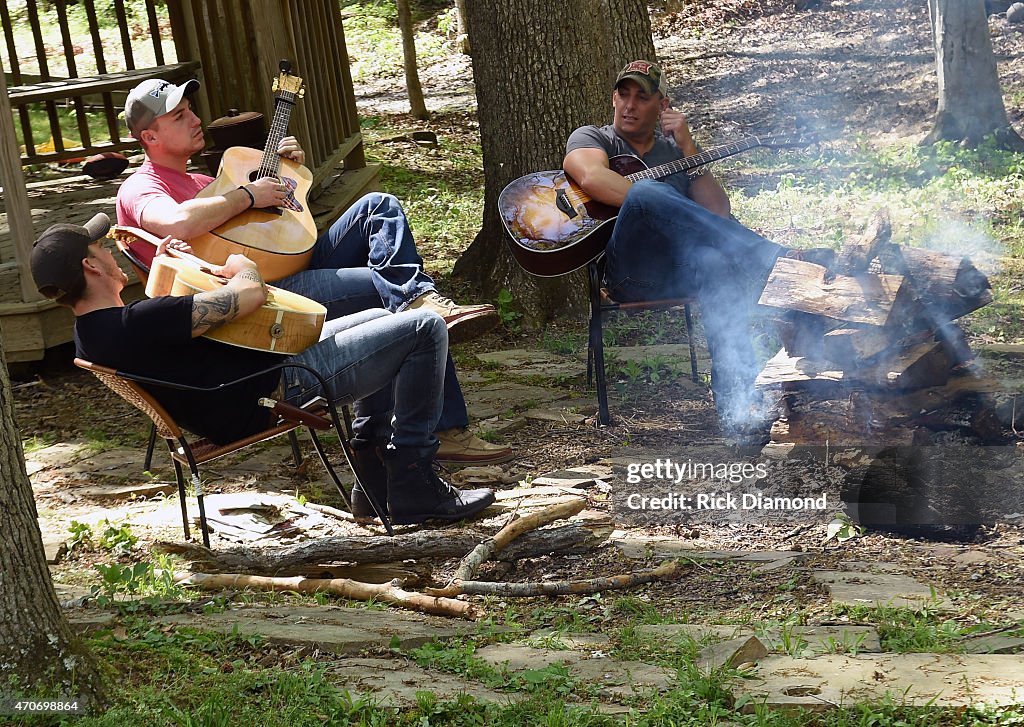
[{"x": 19, "y": 212}]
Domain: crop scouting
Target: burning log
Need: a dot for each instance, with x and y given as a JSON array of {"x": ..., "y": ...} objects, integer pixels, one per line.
[{"x": 870, "y": 346}]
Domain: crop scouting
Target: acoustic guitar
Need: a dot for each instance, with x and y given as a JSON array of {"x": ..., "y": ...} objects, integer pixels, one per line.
[
  {"x": 287, "y": 323},
  {"x": 555, "y": 227},
  {"x": 278, "y": 239}
]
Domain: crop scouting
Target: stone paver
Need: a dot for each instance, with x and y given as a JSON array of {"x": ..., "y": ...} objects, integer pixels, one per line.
[
  {"x": 56, "y": 455},
  {"x": 911, "y": 679},
  {"x": 737, "y": 652},
  {"x": 494, "y": 399},
  {"x": 858, "y": 588},
  {"x": 394, "y": 682},
  {"x": 617, "y": 679},
  {"x": 117, "y": 462},
  {"x": 815, "y": 639},
  {"x": 523, "y": 362},
  {"x": 994, "y": 644},
  {"x": 339, "y": 630}
]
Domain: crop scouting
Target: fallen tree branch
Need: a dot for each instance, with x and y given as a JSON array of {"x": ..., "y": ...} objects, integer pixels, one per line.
[
  {"x": 582, "y": 535},
  {"x": 386, "y": 592},
  {"x": 561, "y": 588},
  {"x": 472, "y": 562}
]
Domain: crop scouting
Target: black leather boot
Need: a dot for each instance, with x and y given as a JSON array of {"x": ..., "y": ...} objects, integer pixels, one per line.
[
  {"x": 372, "y": 476},
  {"x": 417, "y": 494}
]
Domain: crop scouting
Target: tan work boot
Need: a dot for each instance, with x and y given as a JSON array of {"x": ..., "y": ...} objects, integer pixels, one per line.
[
  {"x": 461, "y": 446},
  {"x": 464, "y": 322}
]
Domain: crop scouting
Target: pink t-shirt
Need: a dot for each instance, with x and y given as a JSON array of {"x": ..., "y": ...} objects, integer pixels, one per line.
[{"x": 152, "y": 181}]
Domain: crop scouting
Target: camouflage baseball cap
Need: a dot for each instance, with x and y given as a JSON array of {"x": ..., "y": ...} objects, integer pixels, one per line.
[
  {"x": 153, "y": 98},
  {"x": 647, "y": 74}
]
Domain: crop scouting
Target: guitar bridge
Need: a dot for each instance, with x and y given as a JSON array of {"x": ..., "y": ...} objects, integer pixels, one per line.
[{"x": 562, "y": 203}]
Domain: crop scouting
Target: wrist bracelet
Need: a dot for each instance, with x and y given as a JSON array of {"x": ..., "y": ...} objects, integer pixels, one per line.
[{"x": 252, "y": 199}]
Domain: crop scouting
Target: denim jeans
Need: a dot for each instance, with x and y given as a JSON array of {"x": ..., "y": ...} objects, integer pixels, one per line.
[
  {"x": 372, "y": 235},
  {"x": 666, "y": 245},
  {"x": 368, "y": 259},
  {"x": 371, "y": 358}
]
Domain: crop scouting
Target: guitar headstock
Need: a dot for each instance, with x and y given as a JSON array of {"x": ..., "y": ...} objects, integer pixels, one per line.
[
  {"x": 786, "y": 141},
  {"x": 286, "y": 85}
]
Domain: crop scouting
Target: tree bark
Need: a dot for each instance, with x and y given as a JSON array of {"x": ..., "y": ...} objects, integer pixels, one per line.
[
  {"x": 535, "y": 83},
  {"x": 39, "y": 655},
  {"x": 412, "y": 77},
  {"x": 970, "y": 101},
  {"x": 635, "y": 45},
  {"x": 573, "y": 538}
]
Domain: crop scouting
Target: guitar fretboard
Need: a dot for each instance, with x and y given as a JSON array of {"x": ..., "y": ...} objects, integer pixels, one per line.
[
  {"x": 697, "y": 160},
  {"x": 270, "y": 163}
]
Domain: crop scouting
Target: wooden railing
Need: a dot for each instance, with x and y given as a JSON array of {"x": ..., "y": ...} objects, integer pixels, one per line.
[
  {"x": 239, "y": 44},
  {"x": 89, "y": 82}
]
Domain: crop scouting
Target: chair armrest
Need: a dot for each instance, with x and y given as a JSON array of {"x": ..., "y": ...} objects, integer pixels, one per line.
[{"x": 292, "y": 413}]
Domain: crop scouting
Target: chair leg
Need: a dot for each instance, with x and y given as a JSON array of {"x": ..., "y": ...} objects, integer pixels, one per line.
[
  {"x": 343, "y": 428},
  {"x": 198, "y": 485},
  {"x": 293, "y": 440},
  {"x": 693, "y": 345},
  {"x": 180, "y": 477},
  {"x": 596, "y": 345},
  {"x": 147, "y": 464}
]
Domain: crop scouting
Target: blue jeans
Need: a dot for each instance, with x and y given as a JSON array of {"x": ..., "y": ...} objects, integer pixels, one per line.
[
  {"x": 373, "y": 358},
  {"x": 368, "y": 259},
  {"x": 666, "y": 245}
]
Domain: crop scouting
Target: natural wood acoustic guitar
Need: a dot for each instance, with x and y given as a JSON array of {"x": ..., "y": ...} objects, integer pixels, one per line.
[
  {"x": 287, "y": 323},
  {"x": 555, "y": 227},
  {"x": 279, "y": 239}
]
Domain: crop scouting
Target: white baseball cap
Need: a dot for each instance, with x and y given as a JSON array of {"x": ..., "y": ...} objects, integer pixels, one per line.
[{"x": 152, "y": 98}]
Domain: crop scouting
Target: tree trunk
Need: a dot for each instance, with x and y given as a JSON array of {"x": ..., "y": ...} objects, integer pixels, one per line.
[
  {"x": 970, "y": 100},
  {"x": 535, "y": 83},
  {"x": 39, "y": 656},
  {"x": 412, "y": 76},
  {"x": 632, "y": 46},
  {"x": 462, "y": 42}
]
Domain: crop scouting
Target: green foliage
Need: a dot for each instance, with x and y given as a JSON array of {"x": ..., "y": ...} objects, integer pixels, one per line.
[
  {"x": 80, "y": 536},
  {"x": 118, "y": 583},
  {"x": 117, "y": 538},
  {"x": 506, "y": 309}
]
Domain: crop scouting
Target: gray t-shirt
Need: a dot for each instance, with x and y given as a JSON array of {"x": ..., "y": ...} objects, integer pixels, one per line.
[{"x": 604, "y": 137}]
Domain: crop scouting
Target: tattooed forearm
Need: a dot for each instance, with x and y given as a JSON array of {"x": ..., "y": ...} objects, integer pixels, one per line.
[{"x": 213, "y": 309}]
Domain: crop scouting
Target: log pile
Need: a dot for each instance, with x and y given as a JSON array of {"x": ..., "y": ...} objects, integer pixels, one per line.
[{"x": 872, "y": 355}]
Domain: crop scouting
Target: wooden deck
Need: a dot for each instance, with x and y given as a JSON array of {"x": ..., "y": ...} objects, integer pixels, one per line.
[{"x": 30, "y": 328}]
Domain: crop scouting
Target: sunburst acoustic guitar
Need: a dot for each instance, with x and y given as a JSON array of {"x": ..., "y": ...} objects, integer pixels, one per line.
[
  {"x": 554, "y": 227},
  {"x": 280, "y": 240}
]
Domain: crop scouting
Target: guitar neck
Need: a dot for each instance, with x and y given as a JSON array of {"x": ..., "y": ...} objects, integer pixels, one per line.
[
  {"x": 153, "y": 240},
  {"x": 270, "y": 164},
  {"x": 696, "y": 160}
]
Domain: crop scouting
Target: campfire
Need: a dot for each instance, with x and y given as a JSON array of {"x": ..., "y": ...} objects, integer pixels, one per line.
[{"x": 872, "y": 356}]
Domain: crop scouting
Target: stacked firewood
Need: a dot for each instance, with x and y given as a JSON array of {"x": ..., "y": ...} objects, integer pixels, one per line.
[{"x": 872, "y": 356}]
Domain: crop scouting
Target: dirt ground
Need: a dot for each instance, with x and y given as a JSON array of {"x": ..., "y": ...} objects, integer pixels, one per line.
[{"x": 737, "y": 66}]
